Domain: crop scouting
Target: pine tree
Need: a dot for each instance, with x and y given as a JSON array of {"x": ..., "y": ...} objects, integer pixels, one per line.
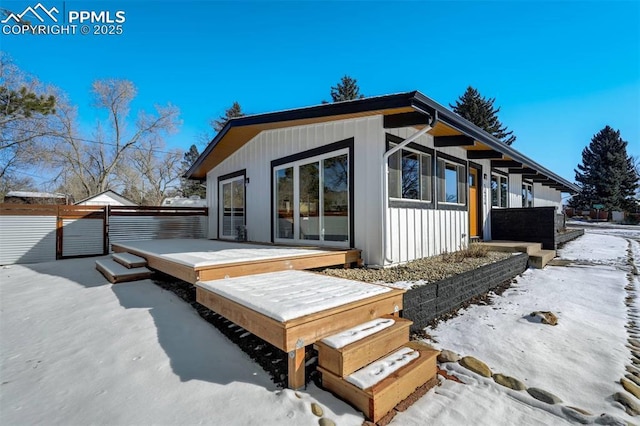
[
  {"x": 233, "y": 112},
  {"x": 191, "y": 187},
  {"x": 481, "y": 112},
  {"x": 346, "y": 90},
  {"x": 607, "y": 174}
]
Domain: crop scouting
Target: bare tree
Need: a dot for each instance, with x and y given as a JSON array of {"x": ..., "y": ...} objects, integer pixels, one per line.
[
  {"x": 93, "y": 163},
  {"x": 157, "y": 175},
  {"x": 26, "y": 121}
]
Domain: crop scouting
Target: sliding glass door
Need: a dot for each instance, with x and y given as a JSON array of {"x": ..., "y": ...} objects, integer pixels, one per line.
[{"x": 312, "y": 200}]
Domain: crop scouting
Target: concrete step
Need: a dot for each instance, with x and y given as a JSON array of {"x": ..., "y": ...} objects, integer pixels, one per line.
[
  {"x": 513, "y": 246},
  {"x": 117, "y": 273},
  {"x": 540, "y": 258},
  {"x": 129, "y": 260},
  {"x": 380, "y": 398},
  {"x": 358, "y": 353}
]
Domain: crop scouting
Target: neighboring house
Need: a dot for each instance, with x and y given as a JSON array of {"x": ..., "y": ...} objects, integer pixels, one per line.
[
  {"x": 398, "y": 176},
  {"x": 30, "y": 197},
  {"x": 106, "y": 198},
  {"x": 193, "y": 201}
]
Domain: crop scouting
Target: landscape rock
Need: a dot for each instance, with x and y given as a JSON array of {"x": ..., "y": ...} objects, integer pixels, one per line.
[
  {"x": 580, "y": 410},
  {"x": 635, "y": 342},
  {"x": 317, "y": 409},
  {"x": 509, "y": 382},
  {"x": 326, "y": 422},
  {"x": 575, "y": 415},
  {"x": 630, "y": 387},
  {"x": 448, "y": 356},
  {"x": 546, "y": 317},
  {"x": 544, "y": 396},
  {"x": 633, "y": 370},
  {"x": 632, "y": 407},
  {"x": 475, "y": 365},
  {"x": 633, "y": 378}
]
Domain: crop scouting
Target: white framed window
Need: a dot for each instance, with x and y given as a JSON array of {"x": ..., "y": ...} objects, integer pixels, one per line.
[
  {"x": 452, "y": 188},
  {"x": 311, "y": 200},
  {"x": 499, "y": 190},
  {"x": 410, "y": 174},
  {"x": 527, "y": 194}
]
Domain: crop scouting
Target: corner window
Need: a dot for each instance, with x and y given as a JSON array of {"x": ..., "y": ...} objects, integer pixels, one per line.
[
  {"x": 451, "y": 182},
  {"x": 410, "y": 175},
  {"x": 499, "y": 190},
  {"x": 527, "y": 195}
]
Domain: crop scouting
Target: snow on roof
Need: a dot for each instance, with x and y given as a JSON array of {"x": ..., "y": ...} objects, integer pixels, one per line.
[
  {"x": 32, "y": 194},
  {"x": 286, "y": 295},
  {"x": 193, "y": 201}
]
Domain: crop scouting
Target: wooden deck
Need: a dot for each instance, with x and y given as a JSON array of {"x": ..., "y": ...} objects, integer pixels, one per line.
[
  {"x": 205, "y": 260},
  {"x": 294, "y": 335}
]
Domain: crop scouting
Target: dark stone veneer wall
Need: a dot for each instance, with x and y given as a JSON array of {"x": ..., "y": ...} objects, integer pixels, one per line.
[{"x": 424, "y": 303}]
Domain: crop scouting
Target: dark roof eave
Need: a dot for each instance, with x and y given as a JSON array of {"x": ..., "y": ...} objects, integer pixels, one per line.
[{"x": 413, "y": 99}]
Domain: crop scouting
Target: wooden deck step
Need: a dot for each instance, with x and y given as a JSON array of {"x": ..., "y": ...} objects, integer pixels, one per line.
[
  {"x": 376, "y": 401},
  {"x": 129, "y": 260},
  {"x": 117, "y": 273},
  {"x": 540, "y": 258},
  {"x": 347, "y": 359}
]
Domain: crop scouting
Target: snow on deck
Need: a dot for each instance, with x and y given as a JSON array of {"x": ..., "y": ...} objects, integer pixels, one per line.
[
  {"x": 202, "y": 252},
  {"x": 358, "y": 332},
  {"x": 379, "y": 370},
  {"x": 287, "y": 295}
]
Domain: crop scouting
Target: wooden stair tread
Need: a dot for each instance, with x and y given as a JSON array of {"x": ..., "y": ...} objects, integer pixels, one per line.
[
  {"x": 117, "y": 273},
  {"x": 380, "y": 398},
  {"x": 129, "y": 260},
  {"x": 344, "y": 361}
]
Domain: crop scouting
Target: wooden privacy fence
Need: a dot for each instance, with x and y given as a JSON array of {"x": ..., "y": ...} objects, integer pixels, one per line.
[{"x": 39, "y": 233}]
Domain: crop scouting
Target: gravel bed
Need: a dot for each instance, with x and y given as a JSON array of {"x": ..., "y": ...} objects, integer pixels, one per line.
[{"x": 421, "y": 271}]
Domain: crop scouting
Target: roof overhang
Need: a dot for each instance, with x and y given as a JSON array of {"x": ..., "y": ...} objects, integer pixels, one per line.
[{"x": 399, "y": 110}]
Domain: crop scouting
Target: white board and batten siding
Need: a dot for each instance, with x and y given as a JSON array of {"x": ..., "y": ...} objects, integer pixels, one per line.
[
  {"x": 255, "y": 157},
  {"x": 417, "y": 232},
  {"x": 543, "y": 196},
  {"x": 27, "y": 239}
]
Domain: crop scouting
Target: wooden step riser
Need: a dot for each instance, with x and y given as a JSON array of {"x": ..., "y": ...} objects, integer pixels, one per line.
[
  {"x": 138, "y": 264},
  {"x": 378, "y": 400},
  {"x": 115, "y": 279},
  {"x": 353, "y": 357}
]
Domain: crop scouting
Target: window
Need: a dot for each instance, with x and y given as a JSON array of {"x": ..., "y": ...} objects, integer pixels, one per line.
[
  {"x": 452, "y": 187},
  {"x": 499, "y": 190},
  {"x": 527, "y": 194},
  {"x": 410, "y": 175}
]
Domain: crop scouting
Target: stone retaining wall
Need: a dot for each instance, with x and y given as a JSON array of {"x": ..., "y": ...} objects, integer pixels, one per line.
[
  {"x": 568, "y": 235},
  {"x": 424, "y": 303}
]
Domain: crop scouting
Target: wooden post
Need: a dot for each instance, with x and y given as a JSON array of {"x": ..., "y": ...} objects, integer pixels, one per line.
[{"x": 296, "y": 369}]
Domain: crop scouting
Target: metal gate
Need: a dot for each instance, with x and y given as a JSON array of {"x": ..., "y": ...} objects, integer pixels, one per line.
[{"x": 81, "y": 231}]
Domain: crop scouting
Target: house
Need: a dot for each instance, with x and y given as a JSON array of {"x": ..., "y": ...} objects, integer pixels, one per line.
[
  {"x": 106, "y": 198},
  {"x": 31, "y": 197},
  {"x": 398, "y": 176},
  {"x": 193, "y": 201}
]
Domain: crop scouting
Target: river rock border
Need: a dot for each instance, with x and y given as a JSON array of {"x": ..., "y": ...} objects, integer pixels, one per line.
[{"x": 424, "y": 303}]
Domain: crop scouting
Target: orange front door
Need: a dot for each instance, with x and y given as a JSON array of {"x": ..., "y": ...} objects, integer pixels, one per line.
[{"x": 473, "y": 202}]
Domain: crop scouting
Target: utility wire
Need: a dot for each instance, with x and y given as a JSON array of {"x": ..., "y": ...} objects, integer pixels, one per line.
[{"x": 91, "y": 141}]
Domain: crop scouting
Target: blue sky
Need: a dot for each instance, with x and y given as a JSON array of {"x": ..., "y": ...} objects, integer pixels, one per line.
[{"x": 560, "y": 71}]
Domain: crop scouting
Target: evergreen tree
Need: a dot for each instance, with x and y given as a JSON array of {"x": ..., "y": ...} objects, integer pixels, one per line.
[
  {"x": 481, "y": 112},
  {"x": 233, "y": 112},
  {"x": 346, "y": 90},
  {"x": 607, "y": 174},
  {"x": 24, "y": 103},
  {"x": 189, "y": 186}
]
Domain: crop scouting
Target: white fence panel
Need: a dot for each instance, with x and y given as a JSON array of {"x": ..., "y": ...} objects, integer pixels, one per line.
[
  {"x": 131, "y": 228},
  {"x": 27, "y": 239}
]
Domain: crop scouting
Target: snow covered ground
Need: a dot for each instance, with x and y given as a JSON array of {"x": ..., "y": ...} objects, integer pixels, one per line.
[{"x": 77, "y": 350}]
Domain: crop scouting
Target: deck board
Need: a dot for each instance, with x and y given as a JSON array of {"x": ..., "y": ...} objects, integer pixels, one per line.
[{"x": 204, "y": 260}]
